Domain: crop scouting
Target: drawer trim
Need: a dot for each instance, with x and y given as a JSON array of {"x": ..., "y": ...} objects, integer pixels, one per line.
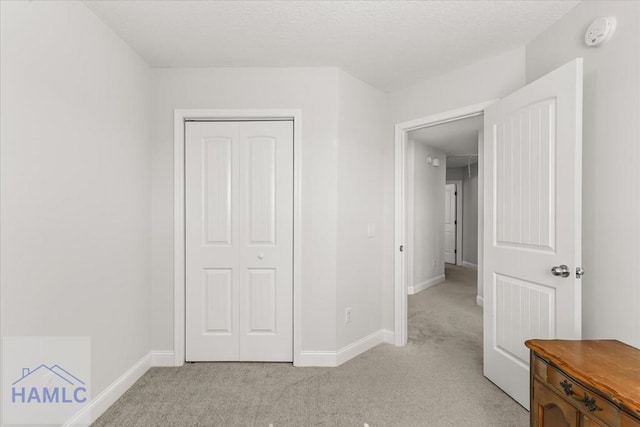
[{"x": 586, "y": 400}]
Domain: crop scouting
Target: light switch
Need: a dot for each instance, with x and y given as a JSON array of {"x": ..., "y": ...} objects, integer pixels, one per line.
[{"x": 371, "y": 231}]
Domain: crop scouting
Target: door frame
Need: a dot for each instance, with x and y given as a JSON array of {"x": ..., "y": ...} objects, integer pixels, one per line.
[
  {"x": 179, "y": 309},
  {"x": 459, "y": 218},
  {"x": 400, "y": 231}
]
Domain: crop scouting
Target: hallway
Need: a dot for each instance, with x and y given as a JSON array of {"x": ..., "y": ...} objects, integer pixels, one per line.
[{"x": 448, "y": 310}]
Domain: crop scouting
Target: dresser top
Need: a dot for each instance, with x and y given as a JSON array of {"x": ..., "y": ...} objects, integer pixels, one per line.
[{"x": 609, "y": 366}]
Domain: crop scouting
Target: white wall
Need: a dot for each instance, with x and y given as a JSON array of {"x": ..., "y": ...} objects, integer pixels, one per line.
[
  {"x": 315, "y": 92},
  {"x": 470, "y": 215},
  {"x": 611, "y": 155},
  {"x": 427, "y": 221},
  {"x": 75, "y": 189},
  {"x": 364, "y": 126},
  {"x": 492, "y": 78},
  {"x": 410, "y": 207}
]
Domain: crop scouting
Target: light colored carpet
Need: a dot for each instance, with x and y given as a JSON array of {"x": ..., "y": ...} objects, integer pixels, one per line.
[{"x": 436, "y": 380}]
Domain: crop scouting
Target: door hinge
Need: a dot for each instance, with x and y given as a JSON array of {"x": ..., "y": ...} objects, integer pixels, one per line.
[
  {"x": 455, "y": 251},
  {"x": 455, "y": 222},
  {"x": 401, "y": 248},
  {"x": 455, "y": 194},
  {"x": 579, "y": 272}
]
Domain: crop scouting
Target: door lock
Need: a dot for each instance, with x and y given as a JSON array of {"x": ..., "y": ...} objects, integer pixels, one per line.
[{"x": 561, "y": 270}]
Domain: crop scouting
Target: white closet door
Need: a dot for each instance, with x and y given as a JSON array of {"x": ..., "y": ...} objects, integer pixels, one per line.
[{"x": 239, "y": 241}]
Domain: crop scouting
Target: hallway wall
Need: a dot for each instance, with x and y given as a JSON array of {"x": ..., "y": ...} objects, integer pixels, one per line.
[{"x": 426, "y": 210}]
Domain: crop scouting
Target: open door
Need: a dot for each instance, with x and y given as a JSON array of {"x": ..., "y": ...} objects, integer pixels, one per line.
[{"x": 532, "y": 226}]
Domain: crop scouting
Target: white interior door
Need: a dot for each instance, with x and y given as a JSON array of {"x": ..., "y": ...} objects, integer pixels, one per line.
[
  {"x": 239, "y": 241},
  {"x": 532, "y": 205},
  {"x": 450, "y": 223}
]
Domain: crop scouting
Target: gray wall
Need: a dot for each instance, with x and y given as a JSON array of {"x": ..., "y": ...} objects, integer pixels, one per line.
[
  {"x": 611, "y": 154},
  {"x": 470, "y": 217},
  {"x": 455, "y": 174},
  {"x": 426, "y": 219}
]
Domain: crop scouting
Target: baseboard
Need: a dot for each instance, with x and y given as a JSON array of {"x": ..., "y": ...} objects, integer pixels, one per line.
[
  {"x": 358, "y": 347},
  {"x": 100, "y": 403},
  {"x": 388, "y": 336},
  {"x": 331, "y": 359},
  {"x": 412, "y": 290},
  {"x": 469, "y": 265},
  {"x": 162, "y": 358},
  {"x": 317, "y": 358},
  {"x": 480, "y": 301}
]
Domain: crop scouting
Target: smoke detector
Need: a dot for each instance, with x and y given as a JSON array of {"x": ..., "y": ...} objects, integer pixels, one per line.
[{"x": 600, "y": 31}]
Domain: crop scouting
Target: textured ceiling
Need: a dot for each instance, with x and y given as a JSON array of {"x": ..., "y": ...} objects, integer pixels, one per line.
[
  {"x": 389, "y": 44},
  {"x": 454, "y": 138}
]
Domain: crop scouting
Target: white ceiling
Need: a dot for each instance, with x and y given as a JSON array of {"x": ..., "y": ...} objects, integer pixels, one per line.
[
  {"x": 454, "y": 138},
  {"x": 389, "y": 44}
]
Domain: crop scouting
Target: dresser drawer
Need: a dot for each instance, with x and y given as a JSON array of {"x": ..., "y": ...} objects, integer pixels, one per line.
[
  {"x": 539, "y": 367},
  {"x": 585, "y": 400},
  {"x": 628, "y": 421}
]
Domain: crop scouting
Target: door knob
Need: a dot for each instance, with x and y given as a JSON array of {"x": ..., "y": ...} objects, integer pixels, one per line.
[
  {"x": 260, "y": 255},
  {"x": 561, "y": 270}
]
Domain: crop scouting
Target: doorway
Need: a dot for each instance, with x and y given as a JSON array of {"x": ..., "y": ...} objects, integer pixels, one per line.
[
  {"x": 532, "y": 197},
  {"x": 402, "y": 131},
  {"x": 442, "y": 201}
]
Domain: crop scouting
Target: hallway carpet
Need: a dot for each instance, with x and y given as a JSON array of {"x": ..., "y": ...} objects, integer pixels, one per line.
[{"x": 436, "y": 380}]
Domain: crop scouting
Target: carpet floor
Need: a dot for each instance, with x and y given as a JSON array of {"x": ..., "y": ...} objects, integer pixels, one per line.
[{"x": 436, "y": 380}]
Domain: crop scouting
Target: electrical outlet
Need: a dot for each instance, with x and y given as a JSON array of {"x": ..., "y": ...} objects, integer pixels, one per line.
[{"x": 347, "y": 315}]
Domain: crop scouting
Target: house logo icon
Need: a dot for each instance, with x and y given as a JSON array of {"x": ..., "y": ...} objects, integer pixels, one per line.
[{"x": 48, "y": 384}]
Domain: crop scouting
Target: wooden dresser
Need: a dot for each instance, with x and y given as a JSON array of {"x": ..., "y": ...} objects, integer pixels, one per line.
[{"x": 584, "y": 383}]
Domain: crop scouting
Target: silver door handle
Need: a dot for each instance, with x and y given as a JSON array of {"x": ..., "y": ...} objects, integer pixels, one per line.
[{"x": 561, "y": 270}]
